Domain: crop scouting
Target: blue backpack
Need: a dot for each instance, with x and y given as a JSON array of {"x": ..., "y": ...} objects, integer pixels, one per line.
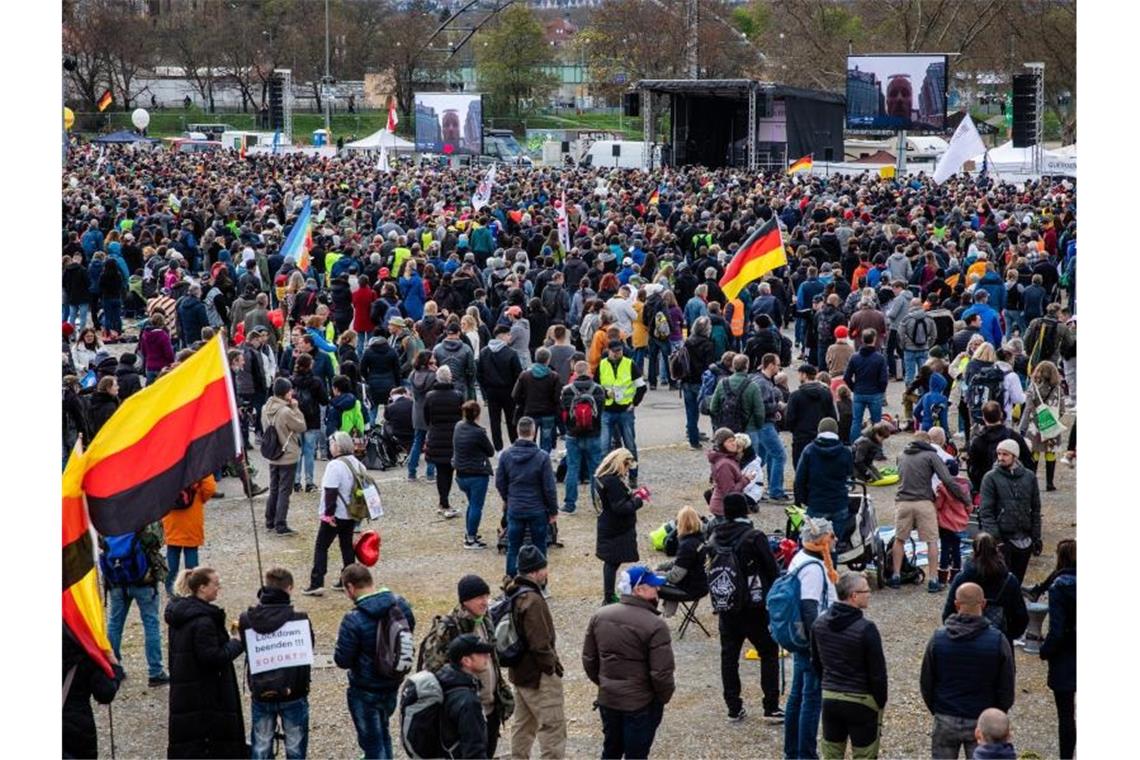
[
  {"x": 784, "y": 620},
  {"x": 123, "y": 560},
  {"x": 708, "y": 388}
]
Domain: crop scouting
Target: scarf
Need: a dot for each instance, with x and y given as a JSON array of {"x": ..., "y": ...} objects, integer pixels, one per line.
[{"x": 823, "y": 547}]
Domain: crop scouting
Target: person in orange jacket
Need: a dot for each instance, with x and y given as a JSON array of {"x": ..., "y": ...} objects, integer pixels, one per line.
[{"x": 185, "y": 528}]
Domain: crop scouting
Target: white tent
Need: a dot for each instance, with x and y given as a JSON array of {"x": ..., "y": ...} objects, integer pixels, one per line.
[
  {"x": 1010, "y": 160},
  {"x": 383, "y": 138}
]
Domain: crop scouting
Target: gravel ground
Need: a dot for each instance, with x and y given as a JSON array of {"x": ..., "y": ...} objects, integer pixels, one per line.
[{"x": 422, "y": 557}]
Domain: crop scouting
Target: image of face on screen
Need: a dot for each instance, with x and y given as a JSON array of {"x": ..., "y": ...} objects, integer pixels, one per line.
[
  {"x": 449, "y": 128},
  {"x": 900, "y": 96}
]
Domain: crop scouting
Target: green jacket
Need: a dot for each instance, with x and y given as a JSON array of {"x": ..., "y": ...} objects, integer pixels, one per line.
[
  {"x": 352, "y": 420},
  {"x": 751, "y": 400},
  {"x": 444, "y": 630}
]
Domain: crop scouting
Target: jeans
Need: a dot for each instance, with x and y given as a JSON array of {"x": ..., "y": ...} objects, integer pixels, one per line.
[
  {"x": 949, "y": 551},
  {"x": 801, "y": 713},
  {"x": 113, "y": 309},
  {"x": 174, "y": 555},
  {"x": 326, "y": 533},
  {"x": 735, "y": 627},
  {"x": 371, "y": 712},
  {"x": 294, "y": 716},
  {"x": 1015, "y": 320},
  {"x": 306, "y": 465},
  {"x": 689, "y": 392},
  {"x": 576, "y": 449},
  {"x": 414, "y": 456},
  {"x": 516, "y": 529},
  {"x": 912, "y": 360},
  {"x": 546, "y": 432},
  {"x": 768, "y": 445},
  {"x": 630, "y": 734},
  {"x": 639, "y": 355},
  {"x": 950, "y": 735},
  {"x": 658, "y": 362},
  {"x": 801, "y": 330},
  {"x": 619, "y": 425},
  {"x": 77, "y": 315},
  {"x": 860, "y": 403},
  {"x": 362, "y": 339},
  {"x": 147, "y": 599},
  {"x": 474, "y": 487},
  {"x": 277, "y": 504}
]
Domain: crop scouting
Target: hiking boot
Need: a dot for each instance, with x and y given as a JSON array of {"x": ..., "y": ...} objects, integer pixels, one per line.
[
  {"x": 774, "y": 716},
  {"x": 738, "y": 716},
  {"x": 314, "y": 591},
  {"x": 162, "y": 679}
]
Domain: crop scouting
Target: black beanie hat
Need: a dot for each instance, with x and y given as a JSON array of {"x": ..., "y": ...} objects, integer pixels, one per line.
[
  {"x": 472, "y": 586},
  {"x": 128, "y": 359},
  {"x": 735, "y": 505},
  {"x": 530, "y": 559}
]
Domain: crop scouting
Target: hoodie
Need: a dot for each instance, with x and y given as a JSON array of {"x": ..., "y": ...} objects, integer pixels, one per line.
[
  {"x": 847, "y": 653},
  {"x": 525, "y": 480},
  {"x": 273, "y": 610},
  {"x": 459, "y": 357},
  {"x": 380, "y": 368},
  {"x": 807, "y": 405},
  {"x": 537, "y": 392},
  {"x": 967, "y": 667},
  {"x": 463, "y": 728},
  {"x": 343, "y": 413},
  {"x": 821, "y": 477},
  {"x": 933, "y": 406},
  {"x": 917, "y": 465},
  {"x": 289, "y": 422},
  {"x": 994, "y": 751},
  {"x": 356, "y": 640},
  {"x": 498, "y": 369}
]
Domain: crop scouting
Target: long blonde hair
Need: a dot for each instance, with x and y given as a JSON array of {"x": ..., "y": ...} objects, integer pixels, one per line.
[
  {"x": 617, "y": 462},
  {"x": 688, "y": 521}
]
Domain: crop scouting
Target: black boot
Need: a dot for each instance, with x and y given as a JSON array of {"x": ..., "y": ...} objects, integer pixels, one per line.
[{"x": 1050, "y": 470}]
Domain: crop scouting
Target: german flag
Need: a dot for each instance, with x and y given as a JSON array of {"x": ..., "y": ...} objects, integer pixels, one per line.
[
  {"x": 655, "y": 197},
  {"x": 762, "y": 252},
  {"x": 82, "y": 605},
  {"x": 105, "y": 101},
  {"x": 162, "y": 439},
  {"x": 801, "y": 165}
]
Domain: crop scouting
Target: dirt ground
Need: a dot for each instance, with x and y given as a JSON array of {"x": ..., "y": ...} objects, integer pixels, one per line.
[{"x": 422, "y": 558}]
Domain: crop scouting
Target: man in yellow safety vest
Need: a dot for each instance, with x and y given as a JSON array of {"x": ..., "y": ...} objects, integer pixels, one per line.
[{"x": 624, "y": 386}]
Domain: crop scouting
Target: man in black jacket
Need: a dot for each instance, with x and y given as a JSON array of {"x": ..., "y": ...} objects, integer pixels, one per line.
[
  {"x": 497, "y": 371},
  {"x": 807, "y": 405},
  {"x": 765, "y": 340},
  {"x": 702, "y": 353},
  {"x": 847, "y": 654},
  {"x": 759, "y": 566},
  {"x": 281, "y": 692},
  {"x": 983, "y": 446},
  {"x": 463, "y": 729}
]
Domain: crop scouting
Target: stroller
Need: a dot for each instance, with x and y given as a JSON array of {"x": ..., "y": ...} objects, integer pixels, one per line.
[
  {"x": 383, "y": 451},
  {"x": 857, "y": 543}
]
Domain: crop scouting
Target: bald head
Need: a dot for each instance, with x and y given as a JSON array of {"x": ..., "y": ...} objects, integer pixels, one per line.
[
  {"x": 970, "y": 599},
  {"x": 993, "y": 727}
]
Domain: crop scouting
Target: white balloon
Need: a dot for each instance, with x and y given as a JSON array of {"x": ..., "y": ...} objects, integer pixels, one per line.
[{"x": 140, "y": 118}]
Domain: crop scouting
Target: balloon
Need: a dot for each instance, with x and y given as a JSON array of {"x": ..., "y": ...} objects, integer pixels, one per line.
[
  {"x": 140, "y": 118},
  {"x": 68, "y": 118}
]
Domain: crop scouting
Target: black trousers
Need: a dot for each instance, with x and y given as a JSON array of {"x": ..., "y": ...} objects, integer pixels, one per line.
[
  {"x": 280, "y": 488},
  {"x": 735, "y": 628},
  {"x": 845, "y": 721},
  {"x": 1017, "y": 560},
  {"x": 498, "y": 408},
  {"x": 326, "y": 534},
  {"x": 494, "y": 726},
  {"x": 630, "y": 734},
  {"x": 444, "y": 475},
  {"x": 1066, "y": 722},
  {"x": 609, "y": 580},
  {"x": 894, "y": 352}
]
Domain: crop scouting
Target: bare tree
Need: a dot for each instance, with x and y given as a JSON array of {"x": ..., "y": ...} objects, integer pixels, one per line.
[
  {"x": 89, "y": 76},
  {"x": 189, "y": 38},
  {"x": 130, "y": 49}
]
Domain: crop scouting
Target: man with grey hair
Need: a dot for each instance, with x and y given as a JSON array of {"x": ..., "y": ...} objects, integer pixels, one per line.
[
  {"x": 766, "y": 303},
  {"x": 847, "y": 655},
  {"x": 867, "y": 316},
  {"x": 697, "y": 306},
  {"x": 336, "y": 493},
  {"x": 621, "y": 307}
]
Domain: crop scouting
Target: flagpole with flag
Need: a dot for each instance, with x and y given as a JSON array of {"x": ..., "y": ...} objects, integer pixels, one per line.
[
  {"x": 802, "y": 164},
  {"x": 964, "y": 145},
  {"x": 300, "y": 239},
  {"x": 563, "y": 227},
  {"x": 482, "y": 194},
  {"x": 762, "y": 252}
]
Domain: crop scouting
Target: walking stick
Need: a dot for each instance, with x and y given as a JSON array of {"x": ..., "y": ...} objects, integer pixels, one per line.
[{"x": 111, "y": 729}]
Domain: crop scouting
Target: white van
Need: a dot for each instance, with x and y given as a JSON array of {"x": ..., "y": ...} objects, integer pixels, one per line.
[{"x": 630, "y": 155}]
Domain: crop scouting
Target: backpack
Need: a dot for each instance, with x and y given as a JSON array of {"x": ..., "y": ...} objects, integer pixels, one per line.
[
  {"x": 731, "y": 413},
  {"x": 273, "y": 685},
  {"x": 987, "y": 385},
  {"x": 730, "y": 590},
  {"x": 785, "y": 350},
  {"x": 357, "y": 505},
  {"x": 582, "y": 415},
  {"x": 123, "y": 561},
  {"x": 660, "y": 325},
  {"x": 680, "y": 363},
  {"x": 1043, "y": 344},
  {"x": 784, "y": 620},
  {"x": 421, "y": 716},
  {"x": 271, "y": 447},
  {"x": 395, "y": 647},
  {"x": 709, "y": 380},
  {"x": 918, "y": 333},
  {"x": 510, "y": 645}
]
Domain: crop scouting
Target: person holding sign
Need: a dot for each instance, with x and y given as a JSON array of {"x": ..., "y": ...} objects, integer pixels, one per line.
[{"x": 279, "y": 645}]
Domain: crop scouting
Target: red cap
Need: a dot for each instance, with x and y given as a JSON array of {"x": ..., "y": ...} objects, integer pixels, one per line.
[
  {"x": 384, "y": 273},
  {"x": 68, "y": 329},
  {"x": 841, "y": 332},
  {"x": 368, "y": 548}
]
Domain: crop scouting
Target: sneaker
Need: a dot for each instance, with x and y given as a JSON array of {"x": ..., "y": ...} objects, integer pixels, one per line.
[
  {"x": 430, "y": 477},
  {"x": 703, "y": 436},
  {"x": 286, "y": 531},
  {"x": 473, "y": 543},
  {"x": 737, "y": 716},
  {"x": 781, "y": 499},
  {"x": 314, "y": 591},
  {"x": 696, "y": 446},
  {"x": 310, "y": 487},
  {"x": 162, "y": 679},
  {"x": 633, "y": 484},
  {"x": 1067, "y": 460},
  {"x": 338, "y": 586},
  {"x": 258, "y": 490},
  {"x": 567, "y": 510},
  {"x": 218, "y": 495},
  {"x": 894, "y": 582},
  {"x": 934, "y": 587},
  {"x": 774, "y": 716},
  {"x": 296, "y": 488},
  {"x": 447, "y": 514},
  {"x": 412, "y": 478},
  {"x": 269, "y": 526}
]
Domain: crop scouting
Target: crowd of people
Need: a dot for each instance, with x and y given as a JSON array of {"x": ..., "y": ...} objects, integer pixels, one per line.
[{"x": 411, "y": 306}]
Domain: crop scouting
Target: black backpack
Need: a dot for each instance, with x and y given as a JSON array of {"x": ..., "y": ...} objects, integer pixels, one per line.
[
  {"x": 731, "y": 414},
  {"x": 729, "y": 587},
  {"x": 395, "y": 647},
  {"x": 987, "y": 385},
  {"x": 919, "y": 334},
  {"x": 271, "y": 447},
  {"x": 680, "y": 363},
  {"x": 1043, "y": 343}
]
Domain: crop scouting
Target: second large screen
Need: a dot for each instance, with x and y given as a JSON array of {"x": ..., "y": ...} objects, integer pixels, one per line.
[
  {"x": 449, "y": 123},
  {"x": 896, "y": 92}
]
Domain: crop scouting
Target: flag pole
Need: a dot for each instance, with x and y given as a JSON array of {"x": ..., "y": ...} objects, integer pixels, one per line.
[
  {"x": 111, "y": 728},
  {"x": 243, "y": 456},
  {"x": 252, "y": 515}
]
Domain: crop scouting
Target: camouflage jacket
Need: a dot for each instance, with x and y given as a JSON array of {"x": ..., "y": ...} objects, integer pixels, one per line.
[{"x": 444, "y": 629}]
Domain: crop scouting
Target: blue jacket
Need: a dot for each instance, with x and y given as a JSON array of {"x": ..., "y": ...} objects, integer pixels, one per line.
[
  {"x": 821, "y": 477},
  {"x": 1060, "y": 646},
  {"x": 967, "y": 668},
  {"x": 991, "y": 326},
  {"x": 525, "y": 480},
  {"x": 356, "y": 640},
  {"x": 192, "y": 318},
  {"x": 91, "y": 241},
  {"x": 94, "y": 274},
  {"x": 412, "y": 293},
  {"x": 867, "y": 372},
  {"x": 930, "y": 401},
  {"x": 694, "y": 310},
  {"x": 993, "y": 284},
  {"x": 808, "y": 289}
]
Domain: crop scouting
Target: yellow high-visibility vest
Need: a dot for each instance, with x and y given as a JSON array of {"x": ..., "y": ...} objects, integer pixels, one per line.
[{"x": 620, "y": 383}]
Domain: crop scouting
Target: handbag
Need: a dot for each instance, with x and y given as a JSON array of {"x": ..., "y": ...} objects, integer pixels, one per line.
[{"x": 1048, "y": 426}]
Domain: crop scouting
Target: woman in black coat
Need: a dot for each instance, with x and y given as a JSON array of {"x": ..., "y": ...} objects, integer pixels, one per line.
[
  {"x": 1060, "y": 646},
  {"x": 443, "y": 407},
  {"x": 1005, "y": 606},
  {"x": 87, "y": 680},
  {"x": 685, "y": 575},
  {"x": 205, "y": 704},
  {"x": 617, "y": 518}
]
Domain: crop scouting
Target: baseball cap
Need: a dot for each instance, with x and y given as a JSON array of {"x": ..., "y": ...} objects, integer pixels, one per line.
[
  {"x": 639, "y": 575},
  {"x": 467, "y": 644}
]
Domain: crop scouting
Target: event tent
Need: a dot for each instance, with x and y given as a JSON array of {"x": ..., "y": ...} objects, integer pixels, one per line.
[
  {"x": 1007, "y": 159},
  {"x": 123, "y": 137},
  {"x": 382, "y": 138}
]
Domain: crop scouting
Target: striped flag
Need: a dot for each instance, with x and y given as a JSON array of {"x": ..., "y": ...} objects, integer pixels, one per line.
[
  {"x": 801, "y": 165},
  {"x": 82, "y": 603},
  {"x": 105, "y": 101},
  {"x": 393, "y": 119},
  {"x": 300, "y": 240},
  {"x": 162, "y": 439},
  {"x": 655, "y": 196},
  {"x": 762, "y": 252},
  {"x": 563, "y": 226}
]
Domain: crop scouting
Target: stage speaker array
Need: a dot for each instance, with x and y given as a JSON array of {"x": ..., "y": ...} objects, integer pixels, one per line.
[
  {"x": 276, "y": 102},
  {"x": 631, "y": 104},
  {"x": 1024, "y": 110}
]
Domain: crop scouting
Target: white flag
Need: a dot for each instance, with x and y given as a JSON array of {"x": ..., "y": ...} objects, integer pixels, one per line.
[
  {"x": 483, "y": 192},
  {"x": 964, "y": 145},
  {"x": 563, "y": 226},
  {"x": 175, "y": 204},
  {"x": 382, "y": 163}
]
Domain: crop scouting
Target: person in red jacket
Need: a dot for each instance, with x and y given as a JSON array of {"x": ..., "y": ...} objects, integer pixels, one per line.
[{"x": 362, "y": 299}]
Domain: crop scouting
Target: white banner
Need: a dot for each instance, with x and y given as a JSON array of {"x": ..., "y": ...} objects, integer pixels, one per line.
[
  {"x": 289, "y": 646},
  {"x": 964, "y": 145},
  {"x": 483, "y": 192},
  {"x": 563, "y": 226}
]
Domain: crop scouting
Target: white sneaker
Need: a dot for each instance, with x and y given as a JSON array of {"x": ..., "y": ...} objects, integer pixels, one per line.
[{"x": 447, "y": 513}]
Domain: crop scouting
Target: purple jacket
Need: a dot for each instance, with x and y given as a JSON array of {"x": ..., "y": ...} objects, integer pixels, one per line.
[{"x": 156, "y": 349}]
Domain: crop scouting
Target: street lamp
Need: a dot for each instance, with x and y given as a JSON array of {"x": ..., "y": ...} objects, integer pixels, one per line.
[{"x": 328, "y": 78}]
